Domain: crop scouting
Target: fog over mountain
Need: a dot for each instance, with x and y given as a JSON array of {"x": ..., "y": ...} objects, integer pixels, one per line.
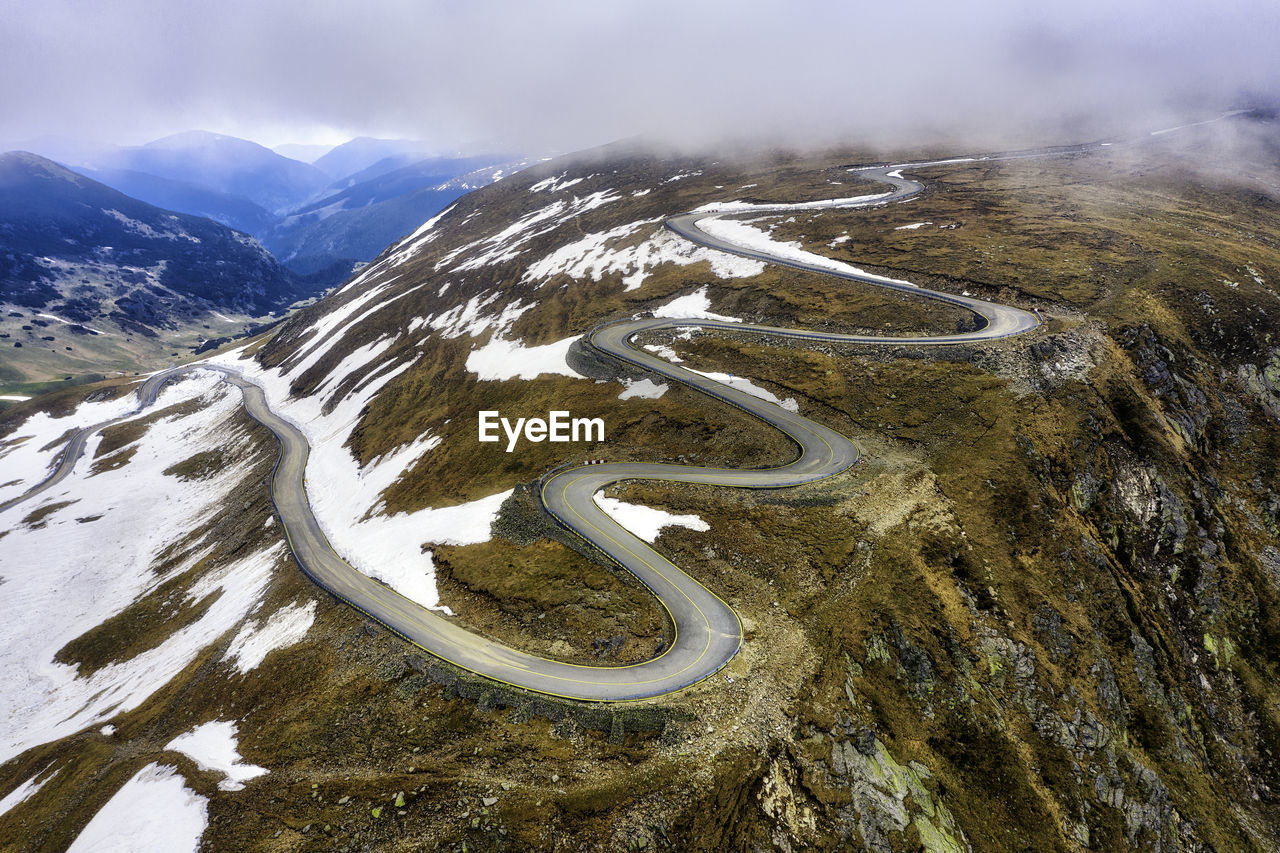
[
  {"x": 926, "y": 503},
  {"x": 571, "y": 74}
]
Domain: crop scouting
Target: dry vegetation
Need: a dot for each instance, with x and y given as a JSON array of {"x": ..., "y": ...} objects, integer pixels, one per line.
[{"x": 1048, "y": 584}]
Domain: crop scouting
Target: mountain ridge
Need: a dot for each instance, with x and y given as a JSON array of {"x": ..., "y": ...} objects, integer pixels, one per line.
[
  {"x": 282, "y": 202},
  {"x": 225, "y": 164}
]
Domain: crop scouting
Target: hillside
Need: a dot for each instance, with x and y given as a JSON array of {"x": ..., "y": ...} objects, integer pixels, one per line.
[
  {"x": 364, "y": 158},
  {"x": 92, "y": 280},
  {"x": 231, "y": 210},
  {"x": 320, "y": 220},
  {"x": 1042, "y": 614},
  {"x": 364, "y": 212}
]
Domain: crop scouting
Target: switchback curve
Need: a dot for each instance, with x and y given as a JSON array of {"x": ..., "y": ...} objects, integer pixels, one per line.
[{"x": 707, "y": 630}]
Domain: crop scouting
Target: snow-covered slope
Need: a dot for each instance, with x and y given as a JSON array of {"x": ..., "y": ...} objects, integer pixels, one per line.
[
  {"x": 90, "y": 547},
  {"x": 472, "y": 301},
  {"x": 154, "y": 810},
  {"x": 155, "y": 574}
]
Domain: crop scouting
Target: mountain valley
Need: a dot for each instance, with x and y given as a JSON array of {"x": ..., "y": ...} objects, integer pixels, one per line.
[
  {"x": 94, "y": 301},
  {"x": 95, "y": 281}
]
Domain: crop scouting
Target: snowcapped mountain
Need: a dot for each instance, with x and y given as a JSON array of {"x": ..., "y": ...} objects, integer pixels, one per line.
[{"x": 1045, "y": 599}]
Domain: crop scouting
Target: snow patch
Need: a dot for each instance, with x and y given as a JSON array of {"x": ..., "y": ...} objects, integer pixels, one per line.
[
  {"x": 25, "y": 791},
  {"x": 28, "y": 454},
  {"x": 406, "y": 249},
  {"x": 738, "y": 206},
  {"x": 355, "y": 361},
  {"x": 154, "y": 810},
  {"x": 645, "y": 521},
  {"x": 554, "y": 185},
  {"x": 664, "y": 351},
  {"x": 66, "y": 322},
  {"x": 748, "y": 387},
  {"x": 645, "y": 389},
  {"x": 501, "y": 359},
  {"x": 430, "y": 224},
  {"x": 748, "y": 237},
  {"x": 912, "y": 227},
  {"x": 67, "y": 576},
  {"x": 510, "y": 241},
  {"x": 420, "y": 238},
  {"x": 469, "y": 319},
  {"x": 592, "y": 256},
  {"x": 898, "y": 167},
  {"x": 333, "y": 327},
  {"x": 146, "y": 230},
  {"x": 213, "y": 746},
  {"x": 287, "y": 626},
  {"x": 694, "y": 305}
]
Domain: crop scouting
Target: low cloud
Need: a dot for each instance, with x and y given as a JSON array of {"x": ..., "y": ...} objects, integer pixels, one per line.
[{"x": 564, "y": 75}]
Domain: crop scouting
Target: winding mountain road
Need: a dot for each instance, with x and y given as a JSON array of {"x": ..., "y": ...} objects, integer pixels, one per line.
[
  {"x": 707, "y": 630},
  {"x": 66, "y": 461}
]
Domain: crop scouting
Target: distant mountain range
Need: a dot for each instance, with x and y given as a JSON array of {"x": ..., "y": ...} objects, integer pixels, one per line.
[
  {"x": 354, "y": 223},
  {"x": 141, "y": 253},
  {"x": 235, "y": 211},
  {"x": 225, "y": 165},
  {"x": 370, "y": 157},
  {"x": 52, "y": 219},
  {"x": 96, "y": 262},
  {"x": 321, "y": 219}
]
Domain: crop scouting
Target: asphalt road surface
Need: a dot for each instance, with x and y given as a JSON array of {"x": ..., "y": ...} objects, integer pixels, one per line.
[
  {"x": 75, "y": 446},
  {"x": 707, "y": 632}
]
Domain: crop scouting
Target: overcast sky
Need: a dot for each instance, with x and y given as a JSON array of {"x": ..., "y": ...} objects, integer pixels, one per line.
[{"x": 568, "y": 74}]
